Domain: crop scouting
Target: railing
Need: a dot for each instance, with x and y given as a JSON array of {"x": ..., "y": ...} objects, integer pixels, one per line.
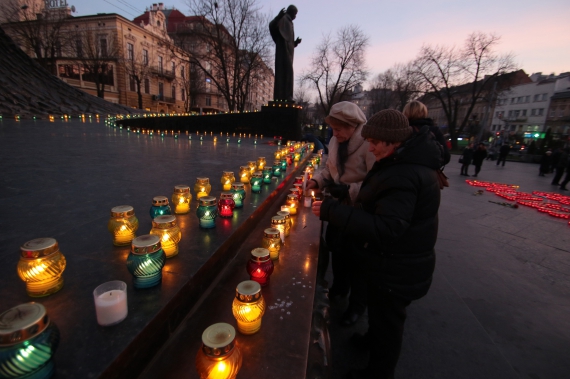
[
  {"x": 162, "y": 72},
  {"x": 163, "y": 98}
]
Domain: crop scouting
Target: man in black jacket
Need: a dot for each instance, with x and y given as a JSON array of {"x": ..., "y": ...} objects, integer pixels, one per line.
[
  {"x": 393, "y": 228},
  {"x": 503, "y": 152}
]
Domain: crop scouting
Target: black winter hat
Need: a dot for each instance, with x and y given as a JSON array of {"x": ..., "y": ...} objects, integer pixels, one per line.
[{"x": 388, "y": 125}]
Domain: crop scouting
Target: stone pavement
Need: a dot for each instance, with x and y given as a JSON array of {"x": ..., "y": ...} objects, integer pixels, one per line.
[{"x": 499, "y": 305}]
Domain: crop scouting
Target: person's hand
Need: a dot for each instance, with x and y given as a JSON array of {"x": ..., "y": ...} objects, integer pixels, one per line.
[
  {"x": 311, "y": 184},
  {"x": 298, "y": 41},
  {"x": 316, "y": 208}
]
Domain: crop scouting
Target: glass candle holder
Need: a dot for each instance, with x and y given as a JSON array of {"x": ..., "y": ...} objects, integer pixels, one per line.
[
  {"x": 299, "y": 187},
  {"x": 28, "y": 342},
  {"x": 111, "y": 302},
  {"x": 123, "y": 225},
  {"x": 307, "y": 200},
  {"x": 288, "y": 221},
  {"x": 276, "y": 168},
  {"x": 293, "y": 203},
  {"x": 297, "y": 156},
  {"x": 267, "y": 174},
  {"x": 260, "y": 266},
  {"x": 277, "y": 154},
  {"x": 159, "y": 207},
  {"x": 248, "y": 307},
  {"x": 260, "y": 163},
  {"x": 289, "y": 159},
  {"x": 278, "y": 222},
  {"x": 145, "y": 261},
  {"x": 168, "y": 231},
  {"x": 244, "y": 174},
  {"x": 202, "y": 187},
  {"x": 256, "y": 180},
  {"x": 41, "y": 267},
  {"x": 239, "y": 194},
  {"x": 252, "y": 167},
  {"x": 219, "y": 356},
  {"x": 207, "y": 212},
  {"x": 226, "y": 205},
  {"x": 298, "y": 180},
  {"x": 272, "y": 242},
  {"x": 283, "y": 164},
  {"x": 294, "y": 191},
  {"x": 227, "y": 179},
  {"x": 181, "y": 198}
]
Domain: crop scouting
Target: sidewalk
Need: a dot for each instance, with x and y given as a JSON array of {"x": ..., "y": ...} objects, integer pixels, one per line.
[{"x": 500, "y": 300}]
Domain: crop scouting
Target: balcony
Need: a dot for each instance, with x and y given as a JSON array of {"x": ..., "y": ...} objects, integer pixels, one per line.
[
  {"x": 162, "y": 72},
  {"x": 163, "y": 99},
  {"x": 516, "y": 119}
]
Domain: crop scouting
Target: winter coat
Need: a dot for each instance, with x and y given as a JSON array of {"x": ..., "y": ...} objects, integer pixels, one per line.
[
  {"x": 504, "y": 150},
  {"x": 467, "y": 155},
  {"x": 359, "y": 162},
  {"x": 393, "y": 225},
  {"x": 417, "y": 125},
  {"x": 545, "y": 162},
  {"x": 479, "y": 156}
]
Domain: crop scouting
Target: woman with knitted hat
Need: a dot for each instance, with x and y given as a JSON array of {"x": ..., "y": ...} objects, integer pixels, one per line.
[
  {"x": 393, "y": 229},
  {"x": 347, "y": 164}
]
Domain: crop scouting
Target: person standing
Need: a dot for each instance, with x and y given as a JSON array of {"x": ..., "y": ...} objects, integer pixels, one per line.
[
  {"x": 545, "y": 162},
  {"x": 503, "y": 153},
  {"x": 561, "y": 166},
  {"x": 478, "y": 157},
  {"x": 392, "y": 230},
  {"x": 466, "y": 158},
  {"x": 348, "y": 162}
]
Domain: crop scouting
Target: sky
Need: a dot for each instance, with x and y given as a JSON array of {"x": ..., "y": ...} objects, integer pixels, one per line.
[{"x": 537, "y": 33}]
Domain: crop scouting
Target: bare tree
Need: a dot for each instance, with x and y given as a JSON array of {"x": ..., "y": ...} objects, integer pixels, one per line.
[
  {"x": 137, "y": 66},
  {"x": 457, "y": 78},
  {"x": 337, "y": 66},
  {"x": 393, "y": 88}
]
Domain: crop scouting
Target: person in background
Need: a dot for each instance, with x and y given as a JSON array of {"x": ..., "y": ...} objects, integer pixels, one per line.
[
  {"x": 478, "y": 157},
  {"x": 561, "y": 166},
  {"x": 392, "y": 230},
  {"x": 503, "y": 153},
  {"x": 348, "y": 162},
  {"x": 555, "y": 158},
  {"x": 466, "y": 156},
  {"x": 545, "y": 162}
]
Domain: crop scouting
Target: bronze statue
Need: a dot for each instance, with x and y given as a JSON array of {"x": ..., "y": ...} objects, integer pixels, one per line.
[{"x": 281, "y": 29}]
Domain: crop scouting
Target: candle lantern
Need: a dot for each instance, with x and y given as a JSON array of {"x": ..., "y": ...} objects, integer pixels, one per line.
[
  {"x": 267, "y": 174},
  {"x": 202, "y": 187},
  {"x": 289, "y": 158},
  {"x": 276, "y": 168},
  {"x": 168, "y": 231},
  {"x": 41, "y": 267},
  {"x": 272, "y": 242},
  {"x": 219, "y": 357},
  {"x": 252, "y": 166},
  {"x": 111, "y": 302},
  {"x": 227, "y": 179},
  {"x": 256, "y": 180},
  {"x": 299, "y": 187},
  {"x": 283, "y": 164},
  {"x": 293, "y": 203},
  {"x": 159, "y": 207},
  {"x": 308, "y": 199},
  {"x": 145, "y": 261},
  {"x": 298, "y": 180},
  {"x": 123, "y": 225},
  {"x": 28, "y": 341},
  {"x": 207, "y": 212},
  {"x": 248, "y": 307},
  {"x": 295, "y": 192},
  {"x": 226, "y": 205},
  {"x": 291, "y": 148},
  {"x": 277, "y": 154},
  {"x": 288, "y": 221},
  {"x": 244, "y": 174},
  {"x": 297, "y": 156},
  {"x": 181, "y": 198},
  {"x": 278, "y": 222},
  {"x": 260, "y": 266},
  {"x": 261, "y": 163},
  {"x": 238, "y": 191}
]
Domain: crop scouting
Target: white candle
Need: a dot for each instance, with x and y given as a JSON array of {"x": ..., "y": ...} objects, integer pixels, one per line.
[
  {"x": 307, "y": 202},
  {"x": 111, "y": 305}
]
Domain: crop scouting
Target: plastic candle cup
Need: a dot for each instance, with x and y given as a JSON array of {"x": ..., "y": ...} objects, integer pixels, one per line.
[
  {"x": 159, "y": 207},
  {"x": 248, "y": 307},
  {"x": 278, "y": 222},
  {"x": 276, "y": 168},
  {"x": 226, "y": 205},
  {"x": 256, "y": 180},
  {"x": 111, "y": 302},
  {"x": 227, "y": 179},
  {"x": 41, "y": 267},
  {"x": 272, "y": 242},
  {"x": 293, "y": 203},
  {"x": 307, "y": 200},
  {"x": 219, "y": 357},
  {"x": 28, "y": 341},
  {"x": 244, "y": 174},
  {"x": 202, "y": 187},
  {"x": 252, "y": 167},
  {"x": 181, "y": 198},
  {"x": 238, "y": 191},
  {"x": 145, "y": 261},
  {"x": 260, "y": 266},
  {"x": 261, "y": 163},
  {"x": 168, "y": 231},
  {"x": 207, "y": 212},
  {"x": 267, "y": 174},
  {"x": 288, "y": 222},
  {"x": 123, "y": 225}
]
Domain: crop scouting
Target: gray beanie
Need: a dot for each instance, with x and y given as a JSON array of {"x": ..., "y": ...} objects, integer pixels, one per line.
[{"x": 388, "y": 125}]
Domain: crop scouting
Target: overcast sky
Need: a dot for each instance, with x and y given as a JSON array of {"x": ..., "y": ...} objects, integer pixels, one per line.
[{"x": 536, "y": 32}]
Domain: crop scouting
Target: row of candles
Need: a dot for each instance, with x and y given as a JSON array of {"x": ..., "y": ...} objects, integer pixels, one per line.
[
  {"x": 536, "y": 199},
  {"x": 41, "y": 265}
]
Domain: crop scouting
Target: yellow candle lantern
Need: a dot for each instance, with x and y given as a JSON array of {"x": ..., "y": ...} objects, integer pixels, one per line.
[
  {"x": 248, "y": 307},
  {"x": 277, "y": 154},
  {"x": 41, "y": 267},
  {"x": 202, "y": 187},
  {"x": 293, "y": 203},
  {"x": 219, "y": 357},
  {"x": 123, "y": 225},
  {"x": 261, "y": 163},
  {"x": 227, "y": 179},
  {"x": 166, "y": 228},
  {"x": 272, "y": 242},
  {"x": 252, "y": 166},
  {"x": 278, "y": 222},
  {"x": 244, "y": 174},
  {"x": 181, "y": 198},
  {"x": 288, "y": 222}
]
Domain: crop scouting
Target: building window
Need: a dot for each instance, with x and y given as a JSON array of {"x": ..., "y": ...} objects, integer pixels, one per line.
[
  {"x": 182, "y": 73},
  {"x": 536, "y": 97},
  {"x": 510, "y": 114},
  {"x": 208, "y": 101},
  {"x": 130, "y": 51},
  {"x": 146, "y": 85},
  {"x": 524, "y": 112},
  {"x": 174, "y": 92},
  {"x": 541, "y": 111},
  {"x": 161, "y": 91},
  {"x": 173, "y": 69},
  {"x": 103, "y": 47},
  {"x": 512, "y": 100},
  {"x": 160, "y": 67},
  {"x": 183, "y": 94},
  {"x": 527, "y": 99},
  {"x": 544, "y": 96},
  {"x": 132, "y": 83},
  {"x": 145, "y": 57},
  {"x": 553, "y": 113},
  {"x": 533, "y": 112}
]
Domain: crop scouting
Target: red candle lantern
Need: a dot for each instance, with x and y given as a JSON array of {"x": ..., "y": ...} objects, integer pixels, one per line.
[
  {"x": 289, "y": 158},
  {"x": 293, "y": 191},
  {"x": 299, "y": 187},
  {"x": 226, "y": 205},
  {"x": 298, "y": 180},
  {"x": 260, "y": 266}
]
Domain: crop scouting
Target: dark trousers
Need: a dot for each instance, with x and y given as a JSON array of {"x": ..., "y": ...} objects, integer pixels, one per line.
[
  {"x": 465, "y": 169},
  {"x": 502, "y": 158},
  {"x": 478, "y": 168},
  {"x": 386, "y": 317},
  {"x": 566, "y": 179},
  {"x": 558, "y": 175}
]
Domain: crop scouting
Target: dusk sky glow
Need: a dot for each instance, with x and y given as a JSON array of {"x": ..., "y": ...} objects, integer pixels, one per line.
[{"x": 537, "y": 33}]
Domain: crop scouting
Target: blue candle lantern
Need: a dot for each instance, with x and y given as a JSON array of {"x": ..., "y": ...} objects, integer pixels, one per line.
[
  {"x": 159, "y": 207},
  {"x": 267, "y": 174},
  {"x": 146, "y": 260},
  {"x": 256, "y": 180},
  {"x": 238, "y": 189},
  {"x": 207, "y": 212},
  {"x": 28, "y": 341},
  {"x": 283, "y": 164},
  {"x": 276, "y": 168}
]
